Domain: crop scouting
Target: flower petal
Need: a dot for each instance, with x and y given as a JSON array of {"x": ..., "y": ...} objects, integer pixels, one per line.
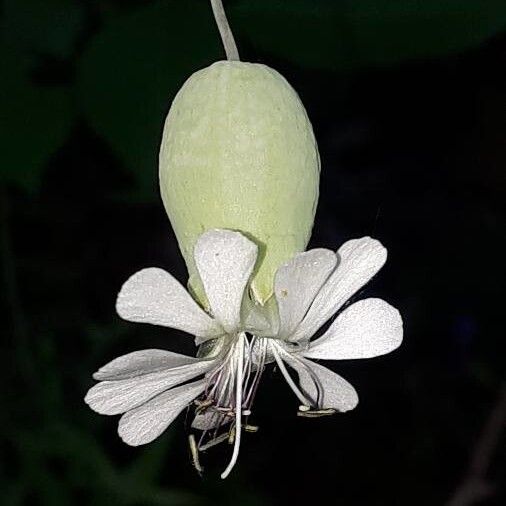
[
  {"x": 114, "y": 397},
  {"x": 368, "y": 328},
  {"x": 359, "y": 260},
  {"x": 296, "y": 284},
  {"x": 324, "y": 388},
  {"x": 153, "y": 296},
  {"x": 141, "y": 362},
  {"x": 225, "y": 261},
  {"x": 145, "y": 423}
]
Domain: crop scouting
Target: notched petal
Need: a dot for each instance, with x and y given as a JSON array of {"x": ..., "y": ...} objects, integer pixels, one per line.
[
  {"x": 225, "y": 260},
  {"x": 358, "y": 261},
  {"x": 141, "y": 362},
  {"x": 296, "y": 284},
  {"x": 145, "y": 423},
  {"x": 368, "y": 328},
  {"x": 153, "y": 296},
  {"x": 115, "y": 397}
]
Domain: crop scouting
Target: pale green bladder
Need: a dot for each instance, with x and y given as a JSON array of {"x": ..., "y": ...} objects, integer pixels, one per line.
[{"x": 238, "y": 152}]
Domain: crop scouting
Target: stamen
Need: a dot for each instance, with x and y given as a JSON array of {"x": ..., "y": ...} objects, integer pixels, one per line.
[
  {"x": 316, "y": 380},
  {"x": 202, "y": 406},
  {"x": 225, "y": 410},
  {"x": 195, "y": 454},
  {"x": 220, "y": 378},
  {"x": 288, "y": 379},
  {"x": 230, "y": 392},
  {"x": 258, "y": 373},
  {"x": 214, "y": 442},
  {"x": 238, "y": 406},
  {"x": 231, "y": 435},
  {"x": 316, "y": 413},
  {"x": 248, "y": 364}
]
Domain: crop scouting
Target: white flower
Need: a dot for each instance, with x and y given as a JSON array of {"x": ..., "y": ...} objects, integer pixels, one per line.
[
  {"x": 149, "y": 387},
  {"x": 311, "y": 288},
  {"x": 143, "y": 385}
]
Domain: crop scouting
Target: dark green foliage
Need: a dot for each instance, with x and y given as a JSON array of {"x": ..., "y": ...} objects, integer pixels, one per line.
[
  {"x": 127, "y": 71},
  {"x": 36, "y": 121},
  {"x": 130, "y": 72},
  {"x": 349, "y": 35}
]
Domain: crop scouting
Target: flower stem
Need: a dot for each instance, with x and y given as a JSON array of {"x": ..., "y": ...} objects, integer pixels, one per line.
[{"x": 226, "y": 33}]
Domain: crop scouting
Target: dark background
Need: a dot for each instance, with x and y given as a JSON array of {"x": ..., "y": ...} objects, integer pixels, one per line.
[{"x": 408, "y": 102}]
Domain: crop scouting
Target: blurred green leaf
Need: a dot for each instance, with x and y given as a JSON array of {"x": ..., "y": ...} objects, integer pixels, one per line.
[
  {"x": 147, "y": 468},
  {"x": 131, "y": 71},
  {"x": 61, "y": 460},
  {"x": 49, "y": 26},
  {"x": 349, "y": 35},
  {"x": 35, "y": 121}
]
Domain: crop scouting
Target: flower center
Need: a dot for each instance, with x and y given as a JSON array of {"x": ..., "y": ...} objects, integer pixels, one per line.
[{"x": 229, "y": 395}]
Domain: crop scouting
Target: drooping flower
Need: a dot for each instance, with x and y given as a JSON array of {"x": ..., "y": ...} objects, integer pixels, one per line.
[
  {"x": 238, "y": 153},
  {"x": 149, "y": 387}
]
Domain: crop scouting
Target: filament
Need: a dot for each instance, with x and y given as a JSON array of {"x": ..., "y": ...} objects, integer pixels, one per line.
[
  {"x": 238, "y": 406},
  {"x": 288, "y": 378}
]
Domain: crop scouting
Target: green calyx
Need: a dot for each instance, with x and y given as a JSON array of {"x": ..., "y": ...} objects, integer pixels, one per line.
[{"x": 238, "y": 152}]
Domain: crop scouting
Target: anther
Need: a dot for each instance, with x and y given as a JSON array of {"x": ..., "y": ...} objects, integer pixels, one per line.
[
  {"x": 231, "y": 436},
  {"x": 224, "y": 409},
  {"x": 203, "y": 405},
  {"x": 251, "y": 428},
  {"x": 214, "y": 442},
  {"x": 316, "y": 413},
  {"x": 195, "y": 454}
]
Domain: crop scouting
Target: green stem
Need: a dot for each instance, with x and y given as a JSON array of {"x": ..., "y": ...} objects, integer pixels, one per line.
[{"x": 226, "y": 33}]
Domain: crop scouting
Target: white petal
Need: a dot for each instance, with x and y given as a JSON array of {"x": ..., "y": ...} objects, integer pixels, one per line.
[
  {"x": 153, "y": 296},
  {"x": 114, "y": 397},
  {"x": 368, "y": 328},
  {"x": 145, "y": 423},
  {"x": 225, "y": 261},
  {"x": 141, "y": 362},
  {"x": 358, "y": 261},
  {"x": 297, "y": 282},
  {"x": 325, "y": 388}
]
